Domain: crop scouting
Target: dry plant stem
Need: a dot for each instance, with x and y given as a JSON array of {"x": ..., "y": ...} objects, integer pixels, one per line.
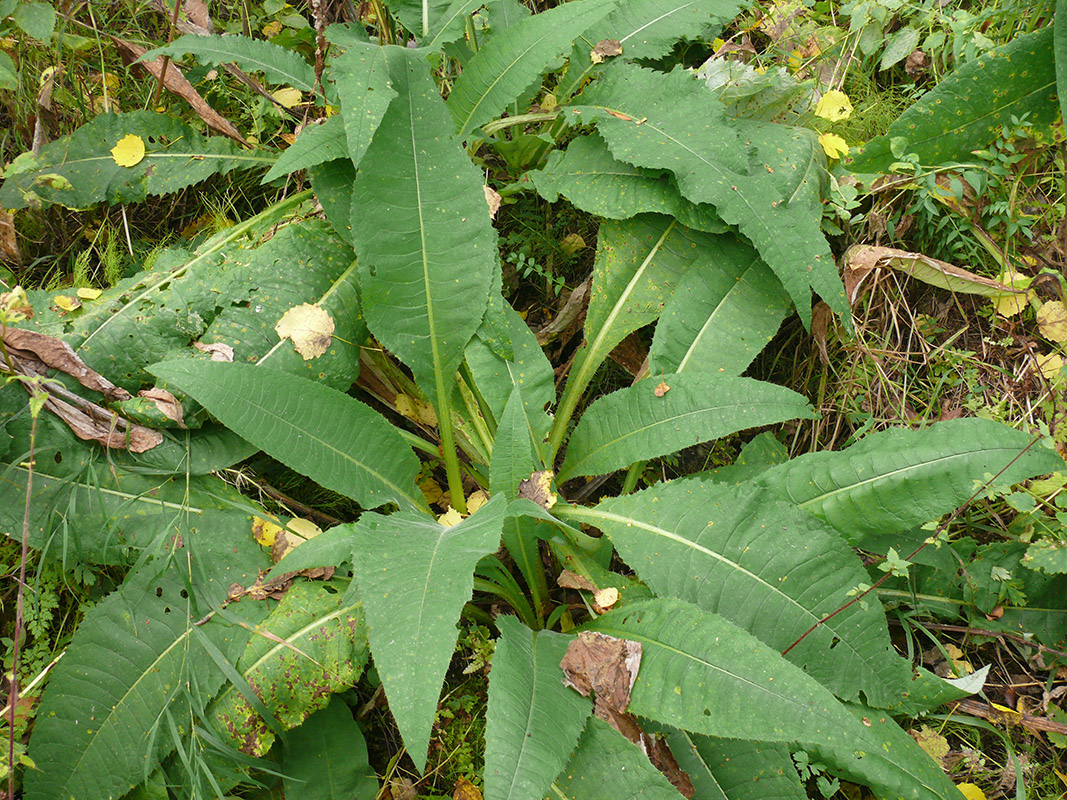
[
  {"x": 917, "y": 550},
  {"x": 166, "y": 59},
  {"x": 937, "y": 626},
  {"x": 13, "y": 695},
  {"x": 295, "y": 505}
]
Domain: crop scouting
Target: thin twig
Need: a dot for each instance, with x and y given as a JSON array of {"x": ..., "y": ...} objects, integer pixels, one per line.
[{"x": 166, "y": 59}]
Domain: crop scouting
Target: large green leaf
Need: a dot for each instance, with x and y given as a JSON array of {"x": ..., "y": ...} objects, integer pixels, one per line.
[
  {"x": 278, "y": 64},
  {"x": 84, "y": 508},
  {"x": 721, "y": 317},
  {"x": 98, "y": 730},
  {"x": 312, "y": 645},
  {"x": 639, "y": 264},
  {"x": 450, "y": 24},
  {"x": 422, "y": 231},
  {"x": 967, "y": 109},
  {"x": 588, "y": 175},
  {"x": 79, "y": 170},
  {"x": 669, "y": 121},
  {"x": 704, "y": 674},
  {"x": 899, "y": 479},
  {"x": 326, "y": 758},
  {"x": 1059, "y": 43},
  {"x": 733, "y": 769},
  {"x": 332, "y": 182},
  {"x": 607, "y": 765},
  {"x": 414, "y": 575},
  {"x": 512, "y": 60},
  {"x": 515, "y": 455},
  {"x": 649, "y": 29},
  {"x": 362, "y": 78},
  {"x": 318, "y": 431},
  {"x": 533, "y": 721},
  {"x": 643, "y": 421},
  {"x": 762, "y": 565}
]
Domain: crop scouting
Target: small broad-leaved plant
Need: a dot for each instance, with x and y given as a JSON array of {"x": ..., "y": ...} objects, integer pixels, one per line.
[{"x": 731, "y": 594}]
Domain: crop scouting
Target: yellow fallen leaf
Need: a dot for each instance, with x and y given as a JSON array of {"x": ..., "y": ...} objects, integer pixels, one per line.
[
  {"x": 309, "y": 327},
  {"x": 476, "y": 501},
  {"x": 287, "y": 96},
  {"x": 605, "y": 598},
  {"x": 833, "y": 145},
  {"x": 970, "y": 791},
  {"x": 1052, "y": 321},
  {"x": 265, "y": 531},
  {"x": 66, "y": 303},
  {"x": 129, "y": 151},
  {"x": 465, "y": 790},
  {"x": 1012, "y": 304},
  {"x": 572, "y": 243},
  {"x": 89, "y": 294},
  {"x": 304, "y": 528},
  {"x": 450, "y": 518},
  {"x": 834, "y": 106}
]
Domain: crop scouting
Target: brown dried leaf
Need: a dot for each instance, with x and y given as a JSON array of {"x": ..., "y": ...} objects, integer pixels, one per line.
[
  {"x": 605, "y": 48},
  {"x": 661, "y": 389},
  {"x": 603, "y": 665},
  {"x": 861, "y": 260},
  {"x": 917, "y": 63},
  {"x": 167, "y": 404},
  {"x": 492, "y": 197},
  {"x": 572, "y": 580},
  {"x": 193, "y": 16},
  {"x": 538, "y": 488},
  {"x": 57, "y": 354},
  {"x": 9, "y": 246},
  {"x": 175, "y": 82},
  {"x": 218, "y": 351},
  {"x": 630, "y": 354},
  {"x": 111, "y": 431},
  {"x": 465, "y": 790},
  {"x": 820, "y": 323}
]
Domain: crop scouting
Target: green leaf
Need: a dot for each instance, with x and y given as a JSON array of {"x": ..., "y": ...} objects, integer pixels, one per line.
[
  {"x": 128, "y": 663},
  {"x": 670, "y": 121},
  {"x": 593, "y": 180},
  {"x": 331, "y": 548},
  {"x": 608, "y": 765},
  {"x": 312, "y": 645},
  {"x": 422, "y": 231},
  {"x": 639, "y": 263},
  {"x": 450, "y": 25},
  {"x": 332, "y": 182},
  {"x": 85, "y": 509},
  {"x": 899, "y": 479},
  {"x": 762, "y": 565},
  {"x": 79, "y": 170},
  {"x": 328, "y": 436},
  {"x": 36, "y": 19},
  {"x": 316, "y": 144},
  {"x": 702, "y": 673},
  {"x": 9, "y": 77},
  {"x": 514, "y": 456},
  {"x": 1059, "y": 43},
  {"x": 967, "y": 109},
  {"x": 362, "y": 77},
  {"x": 900, "y": 46},
  {"x": 648, "y": 29},
  {"x": 512, "y": 60},
  {"x": 634, "y": 424},
  {"x": 733, "y": 769},
  {"x": 721, "y": 317},
  {"x": 326, "y": 758},
  {"x": 414, "y": 576},
  {"x": 533, "y": 721},
  {"x": 495, "y": 375},
  {"x": 278, "y": 64}
]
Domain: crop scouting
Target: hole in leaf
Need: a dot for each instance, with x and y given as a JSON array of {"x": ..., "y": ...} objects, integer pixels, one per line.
[
  {"x": 58, "y": 457},
  {"x": 159, "y": 591}
]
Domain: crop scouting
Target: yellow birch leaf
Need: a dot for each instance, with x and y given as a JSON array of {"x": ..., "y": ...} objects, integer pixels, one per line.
[
  {"x": 265, "y": 531},
  {"x": 1052, "y": 321},
  {"x": 304, "y": 528},
  {"x": 66, "y": 303},
  {"x": 310, "y": 327},
  {"x": 287, "y": 96},
  {"x": 1050, "y": 365},
  {"x": 129, "y": 151},
  {"x": 476, "y": 501},
  {"x": 89, "y": 294},
  {"x": 970, "y": 791},
  {"x": 1010, "y": 305},
  {"x": 834, "y": 106},
  {"x": 450, "y": 518},
  {"x": 833, "y": 145}
]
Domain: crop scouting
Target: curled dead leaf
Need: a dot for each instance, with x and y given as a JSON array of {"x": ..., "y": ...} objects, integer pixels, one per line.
[
  {"x": 538, "y": 488},
  {"x": 218, "y": 351},
  {"x": 55, "y": 353},
  {"x": 492, "y": 197},
  {"x": 661, "y": 389},
  {"x": 168, "y": 404}
]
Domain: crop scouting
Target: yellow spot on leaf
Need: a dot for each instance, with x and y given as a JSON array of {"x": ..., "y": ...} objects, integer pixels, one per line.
[
  {"x": 129, "y": 151},
  {"x": 310, "y": 327}
]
